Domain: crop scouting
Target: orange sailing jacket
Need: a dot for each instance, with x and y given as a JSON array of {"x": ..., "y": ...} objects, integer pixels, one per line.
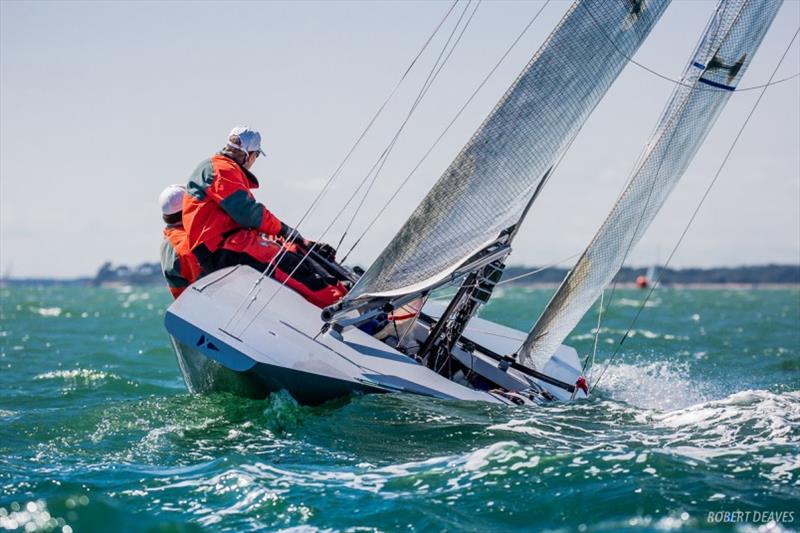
[
  {"x": 219, "y": 202},
  {"x": 178, "y": 264}
]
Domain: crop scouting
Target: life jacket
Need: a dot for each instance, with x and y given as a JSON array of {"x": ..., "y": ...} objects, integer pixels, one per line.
[
  {"x": 219, "y": 202},
  {"x": 178, "y": 264}
]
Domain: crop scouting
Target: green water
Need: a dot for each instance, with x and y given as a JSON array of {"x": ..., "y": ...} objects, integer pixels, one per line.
[{"x": 700, "y": 413}]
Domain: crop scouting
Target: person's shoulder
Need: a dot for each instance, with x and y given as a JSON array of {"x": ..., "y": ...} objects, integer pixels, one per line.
[{"x": 222, "y": 162}]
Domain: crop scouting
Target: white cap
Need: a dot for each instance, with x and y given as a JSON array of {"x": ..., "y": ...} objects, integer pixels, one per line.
[
  {"x": 249, "y": 139},
  {"x": 171, "y": 199}
]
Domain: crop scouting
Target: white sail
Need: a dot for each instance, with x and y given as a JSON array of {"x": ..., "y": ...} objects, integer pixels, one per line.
[
  {"x": 486, "y": 188},
  {"x": 731, "y": 39}
]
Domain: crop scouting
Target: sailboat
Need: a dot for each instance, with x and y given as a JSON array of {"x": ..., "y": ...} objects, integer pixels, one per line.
[
  {"x": 241, "y": 331},
  {"x": 646, "y": 280}
]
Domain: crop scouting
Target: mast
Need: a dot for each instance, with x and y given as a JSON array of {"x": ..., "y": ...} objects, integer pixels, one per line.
[{"x": 732, "y": 37}]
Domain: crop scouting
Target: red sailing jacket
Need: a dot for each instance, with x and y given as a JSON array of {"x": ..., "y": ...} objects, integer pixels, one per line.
[
  {"x": 219, "y": 201},
  {"x": 178, "y": 264}
]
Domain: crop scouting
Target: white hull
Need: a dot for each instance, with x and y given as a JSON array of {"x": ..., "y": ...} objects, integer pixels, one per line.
[{"x": 281, "y": 349}]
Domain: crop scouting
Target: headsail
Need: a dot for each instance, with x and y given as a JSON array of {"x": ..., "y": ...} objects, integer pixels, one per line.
[
  {"x": 732, "y": 37},
  {"x": 487, "y": 187}
]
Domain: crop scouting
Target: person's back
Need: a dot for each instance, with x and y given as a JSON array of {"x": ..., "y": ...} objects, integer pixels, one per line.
[
  {"x": 178, "y": 264},
  {"x": 219, "y": 203},
  {"x": 226, "y": 226}
]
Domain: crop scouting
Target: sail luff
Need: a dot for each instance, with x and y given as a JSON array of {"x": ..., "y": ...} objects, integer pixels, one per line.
[
  {"x": 486, "y": 189},
  {"x": 731, "y": 39}
]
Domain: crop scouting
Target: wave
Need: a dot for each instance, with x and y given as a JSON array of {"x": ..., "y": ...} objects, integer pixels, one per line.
[
  {"x": 739, "y": 422},
  {"x": 79, "y": 375},
  {"x": 47, "y": 311}
]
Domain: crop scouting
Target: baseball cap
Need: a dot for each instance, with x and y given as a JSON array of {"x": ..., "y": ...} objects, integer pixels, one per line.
[
  {"x": 249, "y": 139},
  {"x": 171, "y": 199}
]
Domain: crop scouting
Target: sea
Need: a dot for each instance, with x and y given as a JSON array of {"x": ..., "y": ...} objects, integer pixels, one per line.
[{"x": 694, "y": 426}]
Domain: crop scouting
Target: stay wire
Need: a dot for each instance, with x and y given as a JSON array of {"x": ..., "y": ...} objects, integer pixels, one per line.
[
  {"x": 697, "y": 210},
  {"x": 645, "y": 156},
  {"x": 515, "y": 278},
  {"x": 536, "y": 271},
  {"x": 432, "y": 75},
  {"x": 679, "y": 82},
  {"x": 426, "y": 85},
  {"x": 295, "y": 233},
  {"x": 350, "y": 152},
  {"x": 446, "y": 129},
  {"x": 596, "y": 336},
  {"x": 693, "y": 86}
]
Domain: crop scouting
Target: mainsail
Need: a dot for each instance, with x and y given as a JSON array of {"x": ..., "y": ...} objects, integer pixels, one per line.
[
  {"x": 730, "y": 41},
  {"x": 487, "y": 187}
]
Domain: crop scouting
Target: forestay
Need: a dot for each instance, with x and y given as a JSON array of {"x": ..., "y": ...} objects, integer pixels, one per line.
[
  {"x": 486, "y": 188},
  {"x": 731, "y": 38}
]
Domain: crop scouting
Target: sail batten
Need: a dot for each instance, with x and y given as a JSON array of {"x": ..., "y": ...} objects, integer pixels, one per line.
[
  {"x": 720, "y": 60},
  {"x": 488, "y": 186}
]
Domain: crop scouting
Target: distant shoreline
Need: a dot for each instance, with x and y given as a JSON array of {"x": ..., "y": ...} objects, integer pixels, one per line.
[
  {"x": 692, "y": 286},
  {"x": 745, "y": 277}
]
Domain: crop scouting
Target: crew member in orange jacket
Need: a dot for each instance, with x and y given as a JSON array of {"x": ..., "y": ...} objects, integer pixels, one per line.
[
  {"x": 178, "y": 264},
  {"x": 227, "y": 226}
]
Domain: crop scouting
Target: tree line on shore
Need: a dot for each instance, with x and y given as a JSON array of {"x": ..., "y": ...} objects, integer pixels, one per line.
[{"x": 150, "y": 273}]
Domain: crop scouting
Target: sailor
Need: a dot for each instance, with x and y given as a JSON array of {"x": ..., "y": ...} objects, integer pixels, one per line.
[
  {"x": 226, "y": 225},
  {"x": 178, "y": 264}
]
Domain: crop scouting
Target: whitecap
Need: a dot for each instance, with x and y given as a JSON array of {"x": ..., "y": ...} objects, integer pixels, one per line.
[
  {"x": 48, "y": 311},
  {"x": 85, "y": 374},
  {"x": 740, "y": 424},
  {"x": 628, "y": 302}
]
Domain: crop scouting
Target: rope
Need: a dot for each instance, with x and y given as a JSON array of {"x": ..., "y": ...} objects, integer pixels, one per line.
[
  {"x": 533, "y": 272},
  {"x": 350, "y": 152},
  {"x": 426, "y": 85},
  {"x": 432, "y": 75},
  {"x": 596, "y": 335},
  {"x": 446, "y": 129},
  {"x": 642, "y": 161},
  {"x": 679, "y": 82},
  {"x": 525, "y": 275},
  {"x": 697, "y": 210}
]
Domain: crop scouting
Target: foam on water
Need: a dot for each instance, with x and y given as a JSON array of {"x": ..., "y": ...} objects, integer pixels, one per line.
[
  {"x": 84, "y": 374},
  {"x": 48, "y": 311},
  {"x": 658, "y": 385}
]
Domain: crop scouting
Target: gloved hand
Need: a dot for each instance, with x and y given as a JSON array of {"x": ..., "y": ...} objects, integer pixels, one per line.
[
  {"x": 288, "y": 232},
  {"x": 325, "y": 250}
]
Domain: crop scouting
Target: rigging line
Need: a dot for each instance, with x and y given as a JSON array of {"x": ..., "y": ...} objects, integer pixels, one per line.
[
  {"x": 381, "y": 160},
  {"x": 596, "y": 335},
  {"x": 432, "y": 75},
  {"x": 515, "y": 278},
  {"x": 681, "y": 83},
  {"x": 447, "y": 128},
  {"x": 293, "y": 236},
  {"x": 338, "y": 169},
  {"x": 696, "y": 210},
  {"x": 426, "y": 85},
  {"x": 643, "y": 160},
  {"x": 534, "y": 272}
]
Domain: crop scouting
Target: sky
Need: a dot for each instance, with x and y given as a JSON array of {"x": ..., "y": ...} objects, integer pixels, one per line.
[{"x": 103, "y": 104}]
